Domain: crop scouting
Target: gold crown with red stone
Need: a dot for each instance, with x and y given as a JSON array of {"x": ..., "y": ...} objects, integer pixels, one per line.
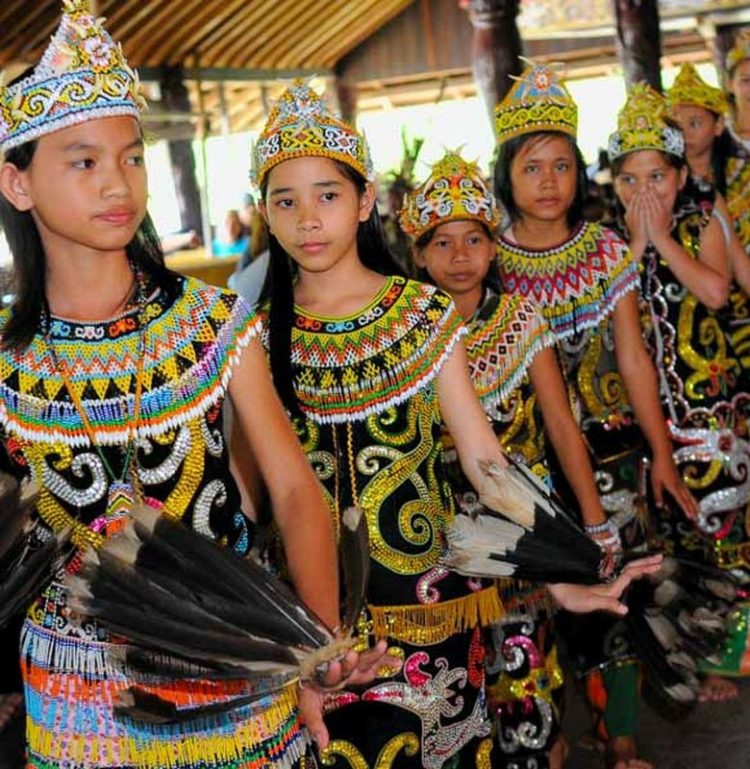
[
  {"x": 302, "y": 125},
  {"x": 454, "y": 190},
  {"x": 82, "y": 76},
  {"x": 538, "y": 101}
]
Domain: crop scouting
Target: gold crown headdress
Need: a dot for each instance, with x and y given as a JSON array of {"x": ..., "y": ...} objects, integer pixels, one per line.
[
  {"x": 83, "y": 75},
  {"x": 690, "y": 88},
  {"x": 739, "y": 51},
  {"x": 538, "y": 101},
  {"x": 454, "y": 190},
  {"x": 641, "y": 125},
  {"x": 301, "y": 125}
]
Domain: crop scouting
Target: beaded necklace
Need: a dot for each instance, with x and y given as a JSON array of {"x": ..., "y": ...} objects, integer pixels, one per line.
[{"x": 123, "y": 489}]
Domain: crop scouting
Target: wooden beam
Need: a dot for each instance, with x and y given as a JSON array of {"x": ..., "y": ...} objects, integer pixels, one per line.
[
  {"x": 638, "y": 40},
  {"x": 248, "y": 75}
]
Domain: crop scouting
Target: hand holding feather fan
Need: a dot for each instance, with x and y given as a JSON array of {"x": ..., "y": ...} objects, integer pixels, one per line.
[{"x": 193, "y": 609}]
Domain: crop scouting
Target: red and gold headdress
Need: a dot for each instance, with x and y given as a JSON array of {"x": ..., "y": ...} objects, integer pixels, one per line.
[
  {"x": 454, "y": 190},
  {"x": 301, "y": 125},
  {"x": 82, "y": 76}
]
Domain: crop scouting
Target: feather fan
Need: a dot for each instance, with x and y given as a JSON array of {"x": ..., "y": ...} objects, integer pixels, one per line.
[
  {"x": 521, "y": 531},
  {"x": 30, "y": 554},
  {"x": 192, "y": 609}
]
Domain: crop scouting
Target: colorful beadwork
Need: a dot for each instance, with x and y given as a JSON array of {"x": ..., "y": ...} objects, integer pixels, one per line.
[
  {"x": 301, "y": 125},
  {"x": 73, "y": 672},
  {"x": 82, "y": 76},
  {"x": 454, "y": 190},
  {"x": 538, "y": 101},
  {"x": 690, "y": 88},
  {"x": 641, "y": 125}
]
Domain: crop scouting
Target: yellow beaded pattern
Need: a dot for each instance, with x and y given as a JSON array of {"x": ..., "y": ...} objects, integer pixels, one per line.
[
  {"x": 301, "y": 125},
  {"x": 641, "y": 125},
  {"x": 739, "y": 51},
  {"x": 538, "y": 101},
  {"x": 690, "y": 88}
]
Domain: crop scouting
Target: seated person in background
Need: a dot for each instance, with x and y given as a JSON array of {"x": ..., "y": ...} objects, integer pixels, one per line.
[{"x": 231, "y": 239}]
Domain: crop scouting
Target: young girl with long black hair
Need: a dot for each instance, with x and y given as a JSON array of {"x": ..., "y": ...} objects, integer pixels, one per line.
[
  {"x": 452, "y": 218},
  {"x": 370, "y": 365},
  {"x": 583, "y": 279},
  {"x": 113, "y": 374}
]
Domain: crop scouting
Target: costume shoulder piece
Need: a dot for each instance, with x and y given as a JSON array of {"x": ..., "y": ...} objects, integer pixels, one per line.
[
  {"x": 192, "y": 342},
  {"x": 348, "y": 368},
  {"x": 504, "y": 337},
  {"x": 578, "y": 283}
]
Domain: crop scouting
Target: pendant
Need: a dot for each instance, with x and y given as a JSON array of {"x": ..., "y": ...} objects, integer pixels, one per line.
[{"x": 120, "y": 500}]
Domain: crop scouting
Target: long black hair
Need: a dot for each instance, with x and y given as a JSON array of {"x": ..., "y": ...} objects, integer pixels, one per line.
[
  {"x": 30, "y": 263},
  {"x": 374, "y": 254},
  {"x": 507, "y": 152}
]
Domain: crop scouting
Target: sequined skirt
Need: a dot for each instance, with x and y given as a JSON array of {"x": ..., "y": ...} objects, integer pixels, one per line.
[{"x": 73, "y": 676}]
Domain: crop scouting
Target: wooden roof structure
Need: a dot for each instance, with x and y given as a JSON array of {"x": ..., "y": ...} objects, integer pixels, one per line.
[{"x": 236, "y": 53}]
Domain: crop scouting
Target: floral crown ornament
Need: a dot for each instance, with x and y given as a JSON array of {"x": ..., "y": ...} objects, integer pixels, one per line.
[
  {"x": 301, "y": 125},
  {"x": 538, "y": 101},
  {"x": 454, "y": 190},
  {"x": 641, "y": 125},
  {"x": 739, "y": 51},
  {"x": 82, "y": 76},
  {"x": 690, "y": 88}
]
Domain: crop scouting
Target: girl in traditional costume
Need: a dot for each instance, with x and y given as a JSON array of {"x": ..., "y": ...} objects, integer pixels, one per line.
[
  {"x": 699, "y": 109},
  {"x": 370, "y": 365},
  {"x": 452, "y": 218},
  {"x": 705, "y": 391},
  {"x": 582, "y": 278},
  {"x": 113, "y": 376}
]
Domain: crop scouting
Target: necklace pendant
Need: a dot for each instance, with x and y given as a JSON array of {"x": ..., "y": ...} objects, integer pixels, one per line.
[{"x": 120, "y": 500}]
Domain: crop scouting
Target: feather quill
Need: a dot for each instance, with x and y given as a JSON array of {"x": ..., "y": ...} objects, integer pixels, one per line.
[{"x": 354, "y": 550}]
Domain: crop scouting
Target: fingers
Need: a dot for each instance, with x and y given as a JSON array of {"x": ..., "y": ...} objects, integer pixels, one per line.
[
  {"x": 658, "y": 489},
  {"x": 311, "y": 711}
]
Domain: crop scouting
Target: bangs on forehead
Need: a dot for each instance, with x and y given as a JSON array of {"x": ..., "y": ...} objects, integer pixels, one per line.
[{"x": 539, "y": 140}]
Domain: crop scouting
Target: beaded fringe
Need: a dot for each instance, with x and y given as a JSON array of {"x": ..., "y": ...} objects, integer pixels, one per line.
[{"x": 432, "y": 623}]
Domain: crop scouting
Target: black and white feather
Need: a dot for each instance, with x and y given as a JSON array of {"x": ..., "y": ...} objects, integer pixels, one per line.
[
  {"x": 521, "y": 531},
  {"x": 193, "y": 609}
]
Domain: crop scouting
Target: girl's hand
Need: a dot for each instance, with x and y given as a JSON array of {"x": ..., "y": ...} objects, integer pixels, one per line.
[
  {"x": 657, "y": 217},
  {"x": 352, "y": 670},
  {"x": 665, "y": 477},
  {"x": 582, "y": 599},
  {"x": 635, "y": 220}
]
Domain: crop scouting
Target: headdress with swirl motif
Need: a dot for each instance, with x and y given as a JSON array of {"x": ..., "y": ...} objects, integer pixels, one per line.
[
  {"x": 301, "y": 125},
  {"x": 641, "y": 125},
  {"x": 454, "y": 190},
  {"x": 739, "y": 51},
  {"x": 538, "y": 101},
  {"x": 690, "y": 88},
  {"x": 82, "y": 76}
]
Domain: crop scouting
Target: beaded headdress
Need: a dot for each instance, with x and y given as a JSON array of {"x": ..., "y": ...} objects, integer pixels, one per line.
[
  {"x": 454, "y": 190},
  {"x": 690, "y": 88},
  {"x": 82, "y": 76},
  {"x": 538, "y": 101},
  {"x": 301, "y": 125},
  {"x": 641, "y": 125},
  {"x": 739, "y": 51}
]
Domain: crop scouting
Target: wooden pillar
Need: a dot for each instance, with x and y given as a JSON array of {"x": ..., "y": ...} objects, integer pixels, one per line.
[
  {"x": 344, "y": 96},
  {"x": 176, "y": 99},
  {"x": 496, "y": 48},
  {"x": 639, "y": 41}
]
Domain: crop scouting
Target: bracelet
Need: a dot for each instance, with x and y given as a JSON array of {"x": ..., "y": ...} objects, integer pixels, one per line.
[{"x": 598, "y": 528}]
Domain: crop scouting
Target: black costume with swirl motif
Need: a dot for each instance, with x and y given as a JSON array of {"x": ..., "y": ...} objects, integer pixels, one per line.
[{"x": 371, "y": 429}]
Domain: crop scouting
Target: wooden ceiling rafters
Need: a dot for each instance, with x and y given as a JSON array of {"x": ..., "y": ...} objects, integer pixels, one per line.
[{"x": 251, "y": 34}]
